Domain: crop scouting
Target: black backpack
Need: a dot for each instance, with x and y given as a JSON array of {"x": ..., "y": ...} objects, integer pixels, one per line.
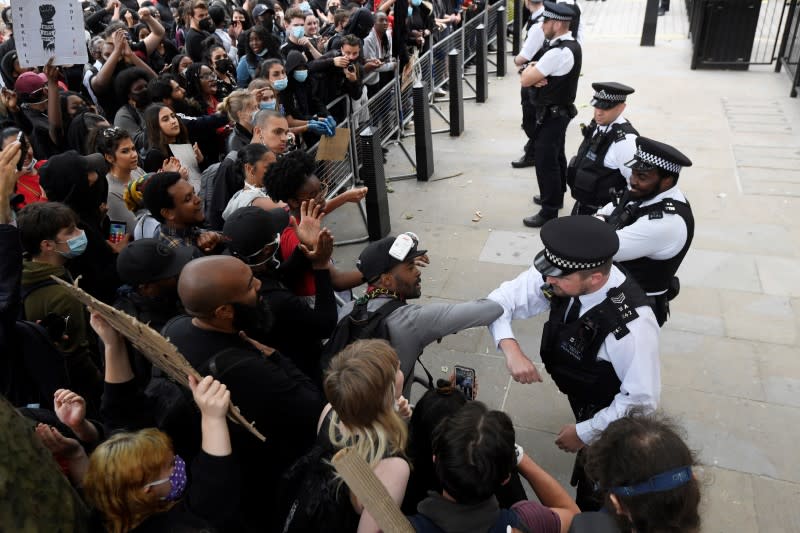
[
  {"x": 359, "y": 324},
  {"x": 505, "y": 517},
  {"x": 173, "y": 407}
]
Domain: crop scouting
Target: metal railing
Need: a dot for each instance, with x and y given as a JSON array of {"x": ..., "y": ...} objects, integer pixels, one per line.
[{"x": 387, "y": 112}]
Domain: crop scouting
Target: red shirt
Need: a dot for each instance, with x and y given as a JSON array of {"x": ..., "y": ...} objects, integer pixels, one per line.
[
  {"x": 30, "y": 189},
  {"x": 289, "y": 241}
]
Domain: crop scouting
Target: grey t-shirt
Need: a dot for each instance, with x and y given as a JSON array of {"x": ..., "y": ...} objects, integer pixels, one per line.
[
  {"x": 413, "y": 326},
  {"x": 117, "y": 210}
]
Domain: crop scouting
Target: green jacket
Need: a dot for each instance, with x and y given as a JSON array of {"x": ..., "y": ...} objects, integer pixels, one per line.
[{"x": 55, "y": 299}]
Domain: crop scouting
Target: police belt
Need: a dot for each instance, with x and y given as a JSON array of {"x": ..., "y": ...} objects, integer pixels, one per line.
[{"x": 554, "y": 111}]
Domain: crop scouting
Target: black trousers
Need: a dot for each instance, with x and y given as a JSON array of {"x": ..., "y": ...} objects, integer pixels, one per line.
[
  {"x": 528, "y": 124},
  {"x": 551, "y": 162},
  {"x": 585, "y": 495}
]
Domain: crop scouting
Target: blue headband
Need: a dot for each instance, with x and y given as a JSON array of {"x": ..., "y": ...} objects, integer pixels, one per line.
[{"x": 669, "y": 480}]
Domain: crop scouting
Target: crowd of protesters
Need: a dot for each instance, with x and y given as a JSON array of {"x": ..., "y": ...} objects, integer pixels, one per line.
[{"x": 169, "y": 176}]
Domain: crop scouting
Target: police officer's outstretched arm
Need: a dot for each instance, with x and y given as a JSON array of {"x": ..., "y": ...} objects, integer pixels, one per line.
[{"x": 520, "y": 298}]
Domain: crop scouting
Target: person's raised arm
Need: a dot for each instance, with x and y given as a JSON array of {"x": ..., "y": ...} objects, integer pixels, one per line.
[
  {"x": 70, "y": 408},
  {"x": 157, "y": 32},
  {"x": 213, "y": 399},
  {"x": 102, "y": 80},
  {"x": 118, "y": 365},
  {"x": 354, "y": 195},
  {"x": 549, "y": 491},
  {"x": 136, "y": 61},
  {"x": 53, "y": 102},
  {"x": 66, "y": 449}
]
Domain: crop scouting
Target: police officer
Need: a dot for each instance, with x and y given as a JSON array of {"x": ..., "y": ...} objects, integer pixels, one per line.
[
  {"x": 654, "y": 222},
  {"x": 598, "y": 172},
  {"x": 600, "y": 342},
  {"x": 554, "y": 78},
  {"x": 533, "y": 43}
]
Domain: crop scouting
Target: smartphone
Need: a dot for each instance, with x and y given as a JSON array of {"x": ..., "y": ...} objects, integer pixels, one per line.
[
  {"x": 465, "y": 381},
  {"x": 23, "y": 150},
  {"x": 117, "y": 232}
]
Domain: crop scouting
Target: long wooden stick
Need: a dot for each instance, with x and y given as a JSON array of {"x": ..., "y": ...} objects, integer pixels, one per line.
[
  {"x": 370, "y": 491},
  {"x": 158, "y": 350}
]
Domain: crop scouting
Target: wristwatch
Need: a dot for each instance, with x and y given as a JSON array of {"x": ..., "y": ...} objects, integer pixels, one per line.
[{"x": 520, "y": 453}]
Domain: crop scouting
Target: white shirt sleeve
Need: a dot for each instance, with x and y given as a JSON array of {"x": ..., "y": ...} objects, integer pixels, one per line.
[
  {"x": 635, "y": 358},
  {"x": 520, "y": 297},
  {"x": 619, "y": 153},
  {"x": 533, "y": 42},
  {"x": 556, "y": 62},
  {"x": 658, "y": 238}
]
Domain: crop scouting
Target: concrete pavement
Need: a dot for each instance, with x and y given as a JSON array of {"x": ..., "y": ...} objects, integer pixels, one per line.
[{"x": 730, "y": 358}]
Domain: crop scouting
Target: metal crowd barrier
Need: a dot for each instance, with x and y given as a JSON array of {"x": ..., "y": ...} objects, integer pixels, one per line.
[{"x": 382, "y": 122}]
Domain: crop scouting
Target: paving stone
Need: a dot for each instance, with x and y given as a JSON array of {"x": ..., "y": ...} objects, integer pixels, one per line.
[
  {"x": 758, "y": 317},
  {"x": 696, "y": 309},
  {"x": 737, "y": 434},
  {"x": 779, "y": 275},
  {"x": 538, "y": 406},
  {"x": 721, "y": 270},
  {"x": 776, "y": 505},
  {"x": 474, "y": 279},
  {"x": 695, "y": 362},
  {"x": 511, "y": 248},
  {"x": 779, "y": 368},
  {"x": 727, "y": 501}
]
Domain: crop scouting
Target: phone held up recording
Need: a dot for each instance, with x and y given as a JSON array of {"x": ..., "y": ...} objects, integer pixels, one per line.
[{"x": 465, "y": 381}]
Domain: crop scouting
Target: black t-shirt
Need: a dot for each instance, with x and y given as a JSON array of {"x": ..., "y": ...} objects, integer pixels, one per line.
[
  {"x": 271, "y": 392},
  {"x": 194, "y": 41}
]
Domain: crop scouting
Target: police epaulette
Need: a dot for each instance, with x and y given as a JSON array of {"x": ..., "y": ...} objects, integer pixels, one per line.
[{"x": 624, "y": 310}]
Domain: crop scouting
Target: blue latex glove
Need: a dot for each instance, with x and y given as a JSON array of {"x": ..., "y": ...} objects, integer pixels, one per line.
[
  {"x": 320, "y": 127},
  {"x": 331, "y": 121}
]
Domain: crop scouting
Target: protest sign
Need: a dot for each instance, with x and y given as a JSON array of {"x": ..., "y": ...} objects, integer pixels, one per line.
[{"x": 49, "y": 28}]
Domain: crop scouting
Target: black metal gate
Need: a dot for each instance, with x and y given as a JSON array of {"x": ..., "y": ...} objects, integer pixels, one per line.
[
  {"x": 734, "y": 34},
  {"x": 789, "y": 52}
]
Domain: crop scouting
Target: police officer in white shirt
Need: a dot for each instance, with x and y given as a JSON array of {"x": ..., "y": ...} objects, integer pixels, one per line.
[
  {"x": 533, "y": 43},
  {"x": 654, "y": 222},
  {"x": 600, "y": 343},
  {"x": 598, "y": 172},
  {"x": 553, "y": 77}
]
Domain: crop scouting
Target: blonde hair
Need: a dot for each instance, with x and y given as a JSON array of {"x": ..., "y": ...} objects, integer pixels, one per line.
[
  {"x": 360, "y": 385},
  {"x": 234, "y": 103},
  {"x": 118, "y": 471}
]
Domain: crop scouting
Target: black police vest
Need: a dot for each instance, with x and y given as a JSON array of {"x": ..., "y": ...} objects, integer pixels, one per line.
[
  {"x": 532, "y": 21},
  {"x": 654, "y": 275},
  {"x": 569, "y": 351},
  {"x": 560, "y": 90},
  {"x": 589, "y": 179}
]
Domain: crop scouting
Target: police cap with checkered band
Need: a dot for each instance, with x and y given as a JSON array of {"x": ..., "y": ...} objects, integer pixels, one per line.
[
  {"x": 608, "y": 94},
  {"x": 558, "y": 11},
  {"x": 572, "y": 244},
  {"x": 652, "y": 154}
]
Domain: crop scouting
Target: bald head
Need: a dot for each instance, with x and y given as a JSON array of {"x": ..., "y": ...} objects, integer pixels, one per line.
[{"x": 209, "y": 282}]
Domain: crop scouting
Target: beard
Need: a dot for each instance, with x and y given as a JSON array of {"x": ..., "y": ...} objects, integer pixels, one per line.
[{"x": 255, "y": 320}]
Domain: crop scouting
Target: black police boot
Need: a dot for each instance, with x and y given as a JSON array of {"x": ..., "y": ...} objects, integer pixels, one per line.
[
  {"x": 523, "y": 162},
  {"x": 538, "y": 220}
]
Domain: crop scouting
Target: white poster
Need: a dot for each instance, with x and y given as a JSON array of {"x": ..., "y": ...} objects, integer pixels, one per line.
[{"x": 47, "y": 28}]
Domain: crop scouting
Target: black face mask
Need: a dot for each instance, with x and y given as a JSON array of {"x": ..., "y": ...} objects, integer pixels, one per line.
[
  {"x": 206, "y": 25},
  {"x": 224, "y": 65},
  {"x": 80, "y": 110},
  {"x": 252, "y": 319},
  {"x": 142, "y": 99}
]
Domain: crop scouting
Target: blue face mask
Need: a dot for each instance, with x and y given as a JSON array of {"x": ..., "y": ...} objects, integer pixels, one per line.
[
  {"x": 416, "y": 3},
  {"x": 300, "y": 75},
  {"x": 305, "y": 7},
  {"x": 280, "y": 84},
  {"x": 298, "y": 32},
  {"x": 410, "y": 11},
  {"x": 267, "y": 105},
  {"x": 77, "y": 245}
]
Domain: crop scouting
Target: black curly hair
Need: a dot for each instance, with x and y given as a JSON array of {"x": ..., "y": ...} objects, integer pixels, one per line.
[
  {"x": 286, "y": 176},
  {"x": 632, "y": 450}
]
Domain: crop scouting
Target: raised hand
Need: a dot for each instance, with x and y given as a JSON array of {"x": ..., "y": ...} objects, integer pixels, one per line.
[
  {"x": 58, "y": 444},
  {"x": 310, "y": 223},
  {"x": 320, "y": 254},
  {"x": 107, "y": 334},
  {"x": 211, "y": 396},
  {"x": 70, "y": 407}
]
